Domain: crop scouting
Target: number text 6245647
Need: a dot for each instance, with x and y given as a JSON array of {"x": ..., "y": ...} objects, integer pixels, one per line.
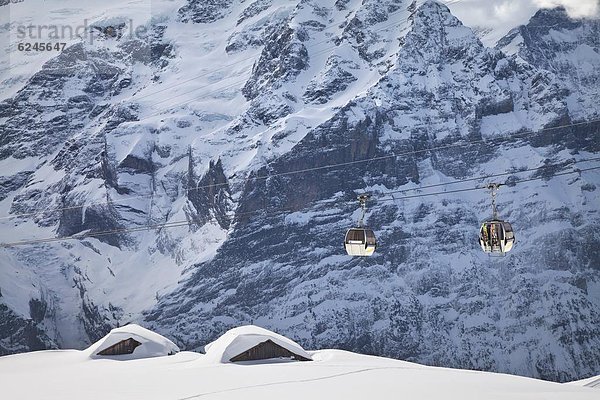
[{"x": 35, "y": 46}]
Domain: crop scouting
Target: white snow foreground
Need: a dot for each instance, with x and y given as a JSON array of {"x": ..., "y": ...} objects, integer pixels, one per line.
[
  {"x": 333, "y": 374},
  {"x": 244, "y": 338},
  {"x": 151, "y": 344},
  {"x": 592, "y": 382}
]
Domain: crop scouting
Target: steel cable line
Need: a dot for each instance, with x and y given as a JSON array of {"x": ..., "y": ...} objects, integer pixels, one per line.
[
  {"x": 494, "y": 175},
  {"x": 174, "y": 224},
  {"x": 358, "y": 161},
  {"x": 514, "y": 183},
  {"x": 282, "y": 211},
  {"x": 380, "y": 197},
  {"x": 323, "y": 167},
  {"x": 206, "y": 95},
  {"x": 116, "y": 201},
  {"x": 445, "y": 147},
  {"x": 577, "y": 171},
  {"x": 235, "y": 83}
]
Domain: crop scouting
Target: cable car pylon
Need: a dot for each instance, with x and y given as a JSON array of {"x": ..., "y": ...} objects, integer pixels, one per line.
[
  {"x": 496, "y": 236},
  {"x": 360, "y": 241}
]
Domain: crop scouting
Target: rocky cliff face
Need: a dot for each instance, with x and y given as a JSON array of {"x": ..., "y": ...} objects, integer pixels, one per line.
[
  {"x": 327, "y": 83},
  {"x": 567, "y": 47}
]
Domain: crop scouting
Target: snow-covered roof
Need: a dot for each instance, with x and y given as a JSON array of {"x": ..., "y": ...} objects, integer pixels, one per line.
[
  {"x": 152, "y": 344},
  {"x": 238, "y": 340}
]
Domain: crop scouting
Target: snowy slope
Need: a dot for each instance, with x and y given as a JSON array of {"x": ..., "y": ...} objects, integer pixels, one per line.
[
  {"x": 220, "y": 92},
  {"x": 442, "y": 86},
  {"x": 333, "y": 374},
  {"x": 592, "y": 382},
  {"x": 568, "y": 47}
]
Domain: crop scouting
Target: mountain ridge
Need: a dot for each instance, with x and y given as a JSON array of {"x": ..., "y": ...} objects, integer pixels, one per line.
[{"x": 396, "y": 78}]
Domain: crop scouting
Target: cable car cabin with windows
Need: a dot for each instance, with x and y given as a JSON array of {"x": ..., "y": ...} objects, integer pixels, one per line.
[
  {"x": 360, "y": 241},
  {"x": 496, "y": 236}
]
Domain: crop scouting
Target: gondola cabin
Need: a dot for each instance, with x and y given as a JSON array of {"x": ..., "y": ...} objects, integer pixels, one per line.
[
  {"x": 360, "y": 242},
  {"x": 496, "y": 236}
]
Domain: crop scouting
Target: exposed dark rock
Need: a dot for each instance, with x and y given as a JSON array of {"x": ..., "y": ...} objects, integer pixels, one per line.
[
  {"x": 204, "y": 11},
  {"x": 254, "y": 35},
  {"x": 11, "y": 183},
  {"x": 138, "y": 165},
  {"x": 298, "y": 279},
  {"x": 282, "y": 58},
  {"x": 335, "y": 79},
  {"x": 211, "y": 195},
  {"x": 37, "y": 309},
  {"x": 254, "y": 9},
  {"x": 95, "y": 219},
  {"x": 18, "y": 334}
]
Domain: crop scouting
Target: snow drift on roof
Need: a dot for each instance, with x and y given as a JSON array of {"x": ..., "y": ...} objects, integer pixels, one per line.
[
  {"x": 238, "y": 340},
  {"x": 152, "y": 344}
]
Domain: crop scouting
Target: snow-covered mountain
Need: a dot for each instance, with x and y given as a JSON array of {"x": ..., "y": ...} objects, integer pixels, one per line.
[
  {"x": 205, "y": 118},
  {"x": 568, "y": 48}
]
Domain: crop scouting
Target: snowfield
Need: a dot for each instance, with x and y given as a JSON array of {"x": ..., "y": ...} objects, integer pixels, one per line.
[{"x": 334, "y": 374}]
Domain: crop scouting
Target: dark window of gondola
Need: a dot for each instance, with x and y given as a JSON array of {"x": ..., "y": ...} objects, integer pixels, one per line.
[
  {"x": 370, "y": 237},
  {"x": 356, "y": 235},
  {"x": 126, "y": 346},
  {"x": 265, "y": 350}
]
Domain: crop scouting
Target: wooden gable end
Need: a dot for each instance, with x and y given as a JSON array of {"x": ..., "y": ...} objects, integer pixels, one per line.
[
  {"x": 126, "y": 346},
  {"x": 265, "y": 350}
]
